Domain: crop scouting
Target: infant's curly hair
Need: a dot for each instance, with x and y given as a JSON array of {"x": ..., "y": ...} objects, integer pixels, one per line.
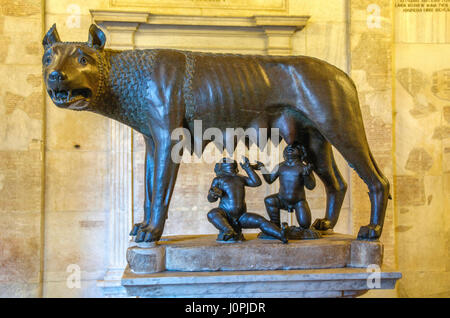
[{"x": 226, "y": 164}]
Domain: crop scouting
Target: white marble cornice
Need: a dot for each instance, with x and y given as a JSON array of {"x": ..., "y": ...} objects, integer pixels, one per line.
[
  {"x": 122, "y": 25},
  {"x": 114, "y": 16}
]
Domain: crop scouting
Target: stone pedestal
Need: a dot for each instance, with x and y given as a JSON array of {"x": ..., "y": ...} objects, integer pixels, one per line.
[
  {"x": 197, "y": 266},
  {"x": 332, "y": 282},
  {"x": 148, "y": 259}
]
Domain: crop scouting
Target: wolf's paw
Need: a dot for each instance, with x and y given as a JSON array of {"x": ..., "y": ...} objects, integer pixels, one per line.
[
  {"x": 322, "y": 224},
  {"x": 148, "y": 233},
  {"x": 137, "y": 227},
  {"x": 369, "y": 232}
]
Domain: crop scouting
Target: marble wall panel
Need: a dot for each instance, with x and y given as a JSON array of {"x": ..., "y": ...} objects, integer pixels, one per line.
[
  {"x": 222, "y": 8},
  {"x": 69, "y": 8},
  {"x": 422, "y": 196},
  {"x": 430, "y": 25},
  {"x": 371, "y": 63},
  {"x": 77, "y": 181},
  {"x": 21, "y": 106},
  {"x": 324, "y": 40},
  {"x": 22, "y": 290},
  {"x": 20, "y": 248},
  {"x": 424, "y": 284},
  {"x": 76, "y": 131},
  {"x": 320, "y": 10},
  {"x": 75, "y": 238},
  {"x": 60, "y": 289},
  {"x": 20, "y": 175}
]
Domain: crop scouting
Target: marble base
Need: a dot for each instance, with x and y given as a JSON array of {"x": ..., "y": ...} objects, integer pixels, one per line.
[
  {"x": 335, "y": 265},
  {"x": 334, "y": 282},
  {"x": 111, "y": 284},
  {"x": 203, "y": 253}
]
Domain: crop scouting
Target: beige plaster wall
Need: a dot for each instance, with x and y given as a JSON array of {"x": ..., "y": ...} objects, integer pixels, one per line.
[
  {"x": 371, "y": 58},
  {"x": 422, "y": 140},
  {"x": 21, "y": 137},
  {"x": 371, "y": 64},
  {"x": 77, "y": 177}
]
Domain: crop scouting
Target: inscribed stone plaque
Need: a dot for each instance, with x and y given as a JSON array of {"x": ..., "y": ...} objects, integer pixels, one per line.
[{"x": 423, "y": 5}]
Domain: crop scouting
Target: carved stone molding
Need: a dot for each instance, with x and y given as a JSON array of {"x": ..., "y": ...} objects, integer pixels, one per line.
[
  {"x": 277, "y": 29},
  {"x": 100, "y": 16}
]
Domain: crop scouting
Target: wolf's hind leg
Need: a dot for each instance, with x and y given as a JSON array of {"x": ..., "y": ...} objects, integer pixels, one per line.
[{"x": 320, "y": 154}]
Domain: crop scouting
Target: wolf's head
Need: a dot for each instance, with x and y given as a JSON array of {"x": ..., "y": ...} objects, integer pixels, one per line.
[{"x": 74, "y": 71}]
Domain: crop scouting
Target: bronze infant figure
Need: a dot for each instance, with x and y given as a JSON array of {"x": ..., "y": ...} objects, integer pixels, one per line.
[
  {"x": 294, "y": 175},
  {"x": 231, "y": 216},
  {"x": 155, "y": 91}
]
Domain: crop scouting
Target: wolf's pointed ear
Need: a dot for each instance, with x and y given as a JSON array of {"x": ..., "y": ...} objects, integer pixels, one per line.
[
  {"x": 97, "y": 38},
  {"x": 51, "y": 37}
]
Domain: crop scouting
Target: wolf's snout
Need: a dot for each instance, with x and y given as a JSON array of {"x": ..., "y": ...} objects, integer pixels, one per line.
[{"x": 57, "y": 76}]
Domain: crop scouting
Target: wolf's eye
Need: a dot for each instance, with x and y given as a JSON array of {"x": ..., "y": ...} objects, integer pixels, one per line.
[
  {"x": 48, "y": 60},
  {"x": 83, "y": 60}
]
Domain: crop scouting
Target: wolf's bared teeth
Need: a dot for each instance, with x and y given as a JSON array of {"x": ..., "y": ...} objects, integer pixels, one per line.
[
  {"x": 68, "y": 96},
  {"x": 61, "y": 94}
]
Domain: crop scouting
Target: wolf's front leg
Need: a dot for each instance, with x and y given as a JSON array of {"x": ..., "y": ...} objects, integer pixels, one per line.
[
  {"x": 149, "y": 170},
  {"x": 164, "y": 177}
]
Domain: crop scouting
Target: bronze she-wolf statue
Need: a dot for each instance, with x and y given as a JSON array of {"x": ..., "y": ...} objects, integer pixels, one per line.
[{"x": 311, "y": 102}]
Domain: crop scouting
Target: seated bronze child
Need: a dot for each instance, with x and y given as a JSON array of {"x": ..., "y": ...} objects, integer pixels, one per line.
[{"x": 231, "y": 216}]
